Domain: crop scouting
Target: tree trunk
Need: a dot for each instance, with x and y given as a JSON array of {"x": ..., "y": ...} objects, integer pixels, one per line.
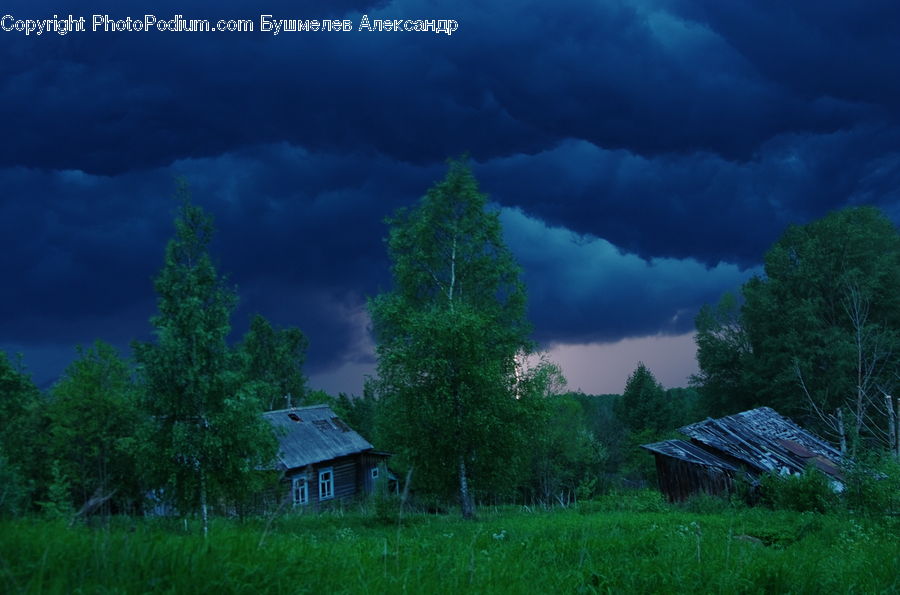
[
  {"x": 465, "y": 498},
  {"x": 841, "y": 432},
  {"x": 204, "y": 509},
  {"x": 897, "y": 438},
  {"x": 892, "y": 424}
]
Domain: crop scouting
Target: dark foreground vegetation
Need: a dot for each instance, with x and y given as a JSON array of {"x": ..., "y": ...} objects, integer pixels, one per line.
[{"x": 619, "y": 543}]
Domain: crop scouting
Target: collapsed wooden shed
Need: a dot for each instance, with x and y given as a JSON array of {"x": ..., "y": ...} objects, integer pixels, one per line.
[{"x": 744, "y": 445}]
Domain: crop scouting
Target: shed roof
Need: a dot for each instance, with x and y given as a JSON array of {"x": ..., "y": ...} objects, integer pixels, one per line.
[
  {"x": 766, "y": 441},
  {"x": 685, "y": 451},
  {"x": 308, "y": 435}
]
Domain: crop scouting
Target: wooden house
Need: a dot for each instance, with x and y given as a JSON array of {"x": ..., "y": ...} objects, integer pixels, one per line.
[
  {"x": 321, "y": 457},
  {"x": 745, "y": 445}
]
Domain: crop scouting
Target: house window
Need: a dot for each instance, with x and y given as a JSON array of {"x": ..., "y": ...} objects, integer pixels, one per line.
[
  {"x": 299, "y": 490},
  {"x": 374, "y": 472},
  {"x": 326, "y": 484}
]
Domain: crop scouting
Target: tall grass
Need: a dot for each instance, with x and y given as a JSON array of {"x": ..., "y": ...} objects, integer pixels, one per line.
[{"x": 604, "y": 548}]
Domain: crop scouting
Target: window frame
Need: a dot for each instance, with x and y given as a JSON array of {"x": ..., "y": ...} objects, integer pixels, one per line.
[
  {"x": 326, "y": 485},
  {"x": 300, "y": 483}
]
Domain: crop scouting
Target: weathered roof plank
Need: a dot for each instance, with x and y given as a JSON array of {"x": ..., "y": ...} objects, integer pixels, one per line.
[
  {"x": 309, "y": 435},
  {"x": 766, "y": 441}
]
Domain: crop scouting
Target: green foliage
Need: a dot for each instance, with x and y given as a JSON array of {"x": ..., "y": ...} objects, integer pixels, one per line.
[
  {"x": 387, "y": 504},
  {"x": 567, "y": 458},
  {"x": 59, "y": 499},
  {"x": 649, "y": 413},
  {"x": 811, "y": 491},
  {"x": 643, "y": 405},
  {"x": 207, "y": 437},
  {"x": 798, "y": 320},
  {"x": 272, "y": 358},
  {"x": 618, "y": 500},
  {"x": 95, "y": 421},
  {"x": 723, "y": 356},
  {"x": 752, "y": 551},
  {"x": 604, "y": 426},
  {"x": 23, "y": 436},
  {"x": 13, "y": 488},
  {"x": 358, "y": 412},
  {"x": 703, "y": 503},
  {"x": 448, "y": 335},
  {"x": 873, "y": 486}
]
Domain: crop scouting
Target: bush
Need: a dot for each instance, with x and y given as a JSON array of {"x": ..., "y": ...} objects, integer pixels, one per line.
[
  {"x": 703, "y": 503},
  {"x": 13, "y": 489},
  {"x": 811, "y": 491},
  {"x": 387, "y": 505},
  {"x": 873, "y": 486},
  {"x": 628, "y": 501}
]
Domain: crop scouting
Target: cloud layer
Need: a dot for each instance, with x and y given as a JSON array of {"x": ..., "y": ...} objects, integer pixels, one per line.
[{"x": 643, "y": 153}]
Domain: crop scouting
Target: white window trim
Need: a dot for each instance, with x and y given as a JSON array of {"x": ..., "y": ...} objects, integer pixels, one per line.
[
  {"x": 300, "y": 483},
  {"x": 374, "y": 472},
  {"x": 326, "y": 486}
]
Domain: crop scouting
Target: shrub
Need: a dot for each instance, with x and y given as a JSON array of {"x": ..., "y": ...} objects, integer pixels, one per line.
[
  {"x": 703, "y": 503},
  {"x": 811, "y": 491},
  {"x": 386, "y": 504},
  {"x": 13, "y": 489},
  {"x": 631, "y": 501},
  {"x": 873, "y": 486}
]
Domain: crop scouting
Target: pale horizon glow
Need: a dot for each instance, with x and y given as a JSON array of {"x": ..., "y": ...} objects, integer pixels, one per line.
[
  {"x": 602, "y": 368},
  {"x": 592, "y": 368}
]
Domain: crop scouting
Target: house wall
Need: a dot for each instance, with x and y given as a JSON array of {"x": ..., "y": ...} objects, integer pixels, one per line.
[
  {"x": 368, "y": 461},
  {"x": 352, "y": 475}
]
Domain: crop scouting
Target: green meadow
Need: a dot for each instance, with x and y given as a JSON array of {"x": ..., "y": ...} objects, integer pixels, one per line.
[{"x": 633, "y": 543}]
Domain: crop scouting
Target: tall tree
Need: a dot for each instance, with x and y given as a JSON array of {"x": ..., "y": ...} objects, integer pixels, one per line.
[
  {"x": 96, "y": 420},
  {"x": 643, "y": 405},
  {"x": 208, "y": 434},
  {"x": 819, "y": 331},
  {"x": 566, "y": 457},
  {"x": 22, "y": 436},
  {"x": 645, "y": 411},
  {"x": 725, "y": 378},
  {"x": 272, "y": 358},
  {"x": 448, "y": 336}
]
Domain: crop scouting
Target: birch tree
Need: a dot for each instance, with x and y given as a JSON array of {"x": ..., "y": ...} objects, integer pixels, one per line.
[
  {"x": 208, "y": 436},
  {"x": 448, "y": 336}
]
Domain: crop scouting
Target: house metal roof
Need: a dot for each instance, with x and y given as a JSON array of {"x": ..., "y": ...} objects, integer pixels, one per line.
[
  {"x": 308, "y": 435},
  {"x": 766, "y": 441}
]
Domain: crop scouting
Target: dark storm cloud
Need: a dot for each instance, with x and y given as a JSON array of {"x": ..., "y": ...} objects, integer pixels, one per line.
[
  {"x": 701, "y": 205},
  {"x": 645, "y": 154},
  {"x": 574, "y": 280},
  {"x": 515, "y": 78},
  {"x": 838, "y": 50},
  {"x": 298, "y": 234}
]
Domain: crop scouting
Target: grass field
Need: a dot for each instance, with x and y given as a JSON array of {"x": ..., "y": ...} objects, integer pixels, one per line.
[{"x": 617, "y": 545}]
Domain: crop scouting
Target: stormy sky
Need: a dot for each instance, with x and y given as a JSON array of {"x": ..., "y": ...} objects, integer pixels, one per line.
[{"x": 643, "y": 155}]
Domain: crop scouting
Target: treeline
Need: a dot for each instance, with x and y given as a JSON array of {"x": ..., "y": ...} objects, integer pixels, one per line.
[{"x": 468, "y": 411}]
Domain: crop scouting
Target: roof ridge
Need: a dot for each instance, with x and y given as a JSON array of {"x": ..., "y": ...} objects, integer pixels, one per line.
[{"x": 304, "y": 408}]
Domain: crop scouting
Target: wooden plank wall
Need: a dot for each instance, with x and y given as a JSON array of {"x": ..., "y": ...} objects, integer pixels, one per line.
[{"x": 679, "y": 480}]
